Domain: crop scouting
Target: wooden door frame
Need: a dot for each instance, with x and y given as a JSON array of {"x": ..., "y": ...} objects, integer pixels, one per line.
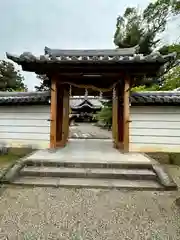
[
  {"x": 121, "y": 115},
  {"x": 59, "y": 123}
]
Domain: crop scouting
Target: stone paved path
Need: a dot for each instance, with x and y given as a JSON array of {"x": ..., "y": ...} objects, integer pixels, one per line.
[{"x": 88, "y": 130}]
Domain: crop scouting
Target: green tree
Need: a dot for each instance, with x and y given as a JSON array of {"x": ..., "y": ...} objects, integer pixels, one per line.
[
  {"x": 175, "y": 47},
  {"x": 105, "y": 115},
  {"x": 142, "y": 28},
  {"x": 44, "y": 83},
  {"x": 171, "y": 79},
  {"x": 10, "y": 79}
]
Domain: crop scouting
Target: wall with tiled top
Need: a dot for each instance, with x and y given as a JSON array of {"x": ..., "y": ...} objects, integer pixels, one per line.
[{"x": 153, "y": 128}]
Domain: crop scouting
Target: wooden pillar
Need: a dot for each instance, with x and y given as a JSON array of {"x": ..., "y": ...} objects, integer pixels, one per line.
[
  {"x": 114, "y": 117},
  {"x": 59, "y": 129},
  {"x": 53, "y": 113},
  {"x": 60, "y": 117},
  {"x": 120, "y": 116},
  {"x": 66, "y": 115},
  {"x": 117, "y": 117},
  {"x": 126, "y": 113}
]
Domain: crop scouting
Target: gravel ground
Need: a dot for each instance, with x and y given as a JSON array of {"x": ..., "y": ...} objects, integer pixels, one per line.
[
  {"x": 53, "y": 213},
  {"x": 86, "y": 130}
]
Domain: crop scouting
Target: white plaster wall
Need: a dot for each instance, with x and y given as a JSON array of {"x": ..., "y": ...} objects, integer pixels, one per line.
[
  {"x": 25, "y": 125},
  {"x": 155, "y": 128},
  {"x": 152, "y": 128}
]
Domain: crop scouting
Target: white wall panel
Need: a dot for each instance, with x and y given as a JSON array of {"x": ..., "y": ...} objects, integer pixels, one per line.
[
  {"x": 25, "y": 125},
  {"x": 155, "y": 128}
]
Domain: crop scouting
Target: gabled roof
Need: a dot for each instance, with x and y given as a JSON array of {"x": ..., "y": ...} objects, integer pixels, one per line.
[
  {"x": 126, "y": 55},
  {"x": 136, "y": 98},
  {"x": 90, "y": 52},
  {"x": 91, "y": 102},
  {"x": 83, "y": 62}
]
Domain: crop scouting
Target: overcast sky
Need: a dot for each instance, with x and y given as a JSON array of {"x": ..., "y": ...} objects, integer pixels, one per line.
[{"x": 30, "y": 25}]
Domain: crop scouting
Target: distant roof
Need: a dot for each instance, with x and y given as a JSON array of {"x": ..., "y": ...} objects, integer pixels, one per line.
[
  {"x": 42, "y": 98},
  {"x": 80, "y": 102}
]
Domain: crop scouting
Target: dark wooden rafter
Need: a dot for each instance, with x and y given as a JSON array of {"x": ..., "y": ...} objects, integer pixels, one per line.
[{"x": 135, "y": 69}]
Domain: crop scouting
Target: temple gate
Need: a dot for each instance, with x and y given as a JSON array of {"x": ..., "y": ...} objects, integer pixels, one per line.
[{"x": 112, "y": 72}]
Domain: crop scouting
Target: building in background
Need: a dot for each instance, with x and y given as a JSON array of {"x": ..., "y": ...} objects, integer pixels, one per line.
[{"x": 83, "y": 109}]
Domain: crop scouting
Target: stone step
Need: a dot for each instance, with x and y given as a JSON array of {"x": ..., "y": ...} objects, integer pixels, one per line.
[
  {"x": 88, "y": 183},
  {"x": 88, "y": 164},
  {"x": 109, "y": 173}
]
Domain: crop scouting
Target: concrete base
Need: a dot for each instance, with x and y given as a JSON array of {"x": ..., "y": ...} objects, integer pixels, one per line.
[
  {"x": 93, "y": 164},
  {"x": 90, "y": 150}
]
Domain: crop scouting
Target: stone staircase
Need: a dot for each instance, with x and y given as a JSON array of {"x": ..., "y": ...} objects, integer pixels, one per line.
[{"x": 119, "y": 175}]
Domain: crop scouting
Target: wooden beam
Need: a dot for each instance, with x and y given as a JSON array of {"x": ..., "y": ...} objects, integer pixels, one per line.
[
  {"x": 53, "y": 113},
  {"x": 126, "y": 113}
]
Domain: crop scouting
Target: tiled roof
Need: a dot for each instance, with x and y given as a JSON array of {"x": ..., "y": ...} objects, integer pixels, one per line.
[
  {"x": 91, "y": 53},
  {"x": 155, "y": 98},
  {"x": 137, "y": 98},
  {"x": 126, "y": 55},
  {"x": 13, "y": 98}
]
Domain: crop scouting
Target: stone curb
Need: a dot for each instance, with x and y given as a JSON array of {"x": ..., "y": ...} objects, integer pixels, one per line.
[
  {"x": 13, "y": 169},
  {"x": 163, "y": 177},
  {"x": 79, "y": 164},
  {"x": 101, "y": 173},
  {"x": 79, "y": 186}
]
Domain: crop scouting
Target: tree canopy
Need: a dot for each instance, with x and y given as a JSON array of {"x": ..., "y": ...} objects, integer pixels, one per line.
[
  {"x": 105, "y": 115},
  {"x": 10, "y": 79},
  {"x": 143, "y": 28},
  {"x": 44, "y": 83},
  {"x": 171, "y": 79}
]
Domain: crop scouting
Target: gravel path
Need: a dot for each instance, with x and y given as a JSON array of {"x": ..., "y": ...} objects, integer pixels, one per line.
[
  {"x": 50, "y": 213},
  {"x": 89, "y": 130}
]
